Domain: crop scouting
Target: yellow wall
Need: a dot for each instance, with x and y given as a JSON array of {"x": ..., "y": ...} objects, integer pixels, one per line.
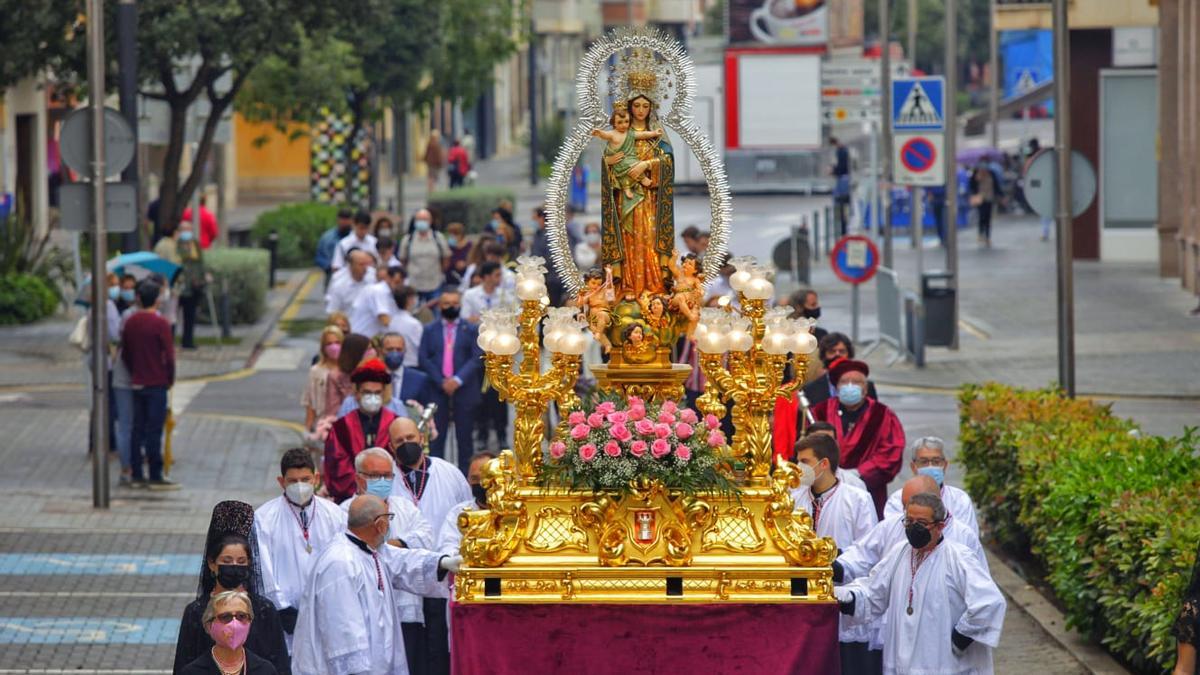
[
  {"x": 278, "y": 165},
  {"x": 1082, "y": 14}
]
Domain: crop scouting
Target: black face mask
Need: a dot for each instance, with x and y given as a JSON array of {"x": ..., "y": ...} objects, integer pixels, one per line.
[
  {"x": 814, "y": 313},
  {"x": 450, "y": 313},
  {"x": 479, "y": 493},
  {"x": 343, "y": 230},
  {"x": 232, "y": 576},
  {"x": 918, "y": 535},
  {"x": 409, "y": 453}
]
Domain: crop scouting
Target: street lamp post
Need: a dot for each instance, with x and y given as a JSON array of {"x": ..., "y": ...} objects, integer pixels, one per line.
[
  {"x": 1062, "y": 142},
  {"x": 885, "y": 146},
  {"x": 951, "y": 159},
  {"x": 99, "y": 309}
]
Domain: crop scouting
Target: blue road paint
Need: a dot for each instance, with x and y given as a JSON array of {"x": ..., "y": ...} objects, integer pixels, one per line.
[
  {"x": 87, "y": 630},
  {"x": 82, "y": 564}
]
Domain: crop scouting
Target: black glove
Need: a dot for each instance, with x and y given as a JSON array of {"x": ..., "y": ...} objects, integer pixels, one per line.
[
  {"x": 287, "y": 619},
  {"x": 960, "y": 641},
  {"x": 838, "y": 572}
]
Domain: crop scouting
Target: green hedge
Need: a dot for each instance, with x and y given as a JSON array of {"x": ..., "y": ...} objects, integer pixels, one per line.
[
  {"x": 25, "y": 298},
  {"x": 471, "y": 206},
  {"x": 245, "y": 270},
  {"x": 299, "y": 226},
  {"x": 1110, "y": 513}
]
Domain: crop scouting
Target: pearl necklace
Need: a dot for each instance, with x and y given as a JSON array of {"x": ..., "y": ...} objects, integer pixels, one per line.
[{"x": 227, "y": 669}]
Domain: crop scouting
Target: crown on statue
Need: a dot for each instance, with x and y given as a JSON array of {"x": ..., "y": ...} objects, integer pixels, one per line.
[{"x": 641, "y": 72}]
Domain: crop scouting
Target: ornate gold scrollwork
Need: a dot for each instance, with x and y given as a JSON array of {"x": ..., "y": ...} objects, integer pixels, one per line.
[
  {"x": 554, "y": 530},
  {"x": 734, "y": 530}
]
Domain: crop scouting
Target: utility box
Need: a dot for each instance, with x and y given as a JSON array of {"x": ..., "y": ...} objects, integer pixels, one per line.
[{"x": 937, "y": 295}]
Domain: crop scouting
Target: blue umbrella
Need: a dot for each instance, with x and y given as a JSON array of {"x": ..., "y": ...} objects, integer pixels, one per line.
[{"x": 143, "y": 263}]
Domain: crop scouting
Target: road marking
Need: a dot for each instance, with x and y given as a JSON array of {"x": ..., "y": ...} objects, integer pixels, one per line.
[
  {"x": 182, "y": 395},
  {"x": 280, "y": 358},
  {"x": 973, "y": 329},
  {"x": 90, "y": 564},
  {"x": 268, "y": 421},
  {"x": 88, "y": 630}
]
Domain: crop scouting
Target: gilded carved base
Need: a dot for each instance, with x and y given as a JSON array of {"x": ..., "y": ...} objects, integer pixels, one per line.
[
  {"x": 652, "y": 545},
  {"x": 660, "y": 382}
]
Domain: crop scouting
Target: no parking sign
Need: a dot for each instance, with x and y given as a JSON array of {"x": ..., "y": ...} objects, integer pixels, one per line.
[
  {"x": 918, "y": 160},
  {"x": 855, "y": 259}
]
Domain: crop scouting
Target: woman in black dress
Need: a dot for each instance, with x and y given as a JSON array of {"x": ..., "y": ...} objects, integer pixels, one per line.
[
  {"x": 228, "y": 619},
  {"x": 229, "y": 565},
  {"x": 1187, "y": 626}
]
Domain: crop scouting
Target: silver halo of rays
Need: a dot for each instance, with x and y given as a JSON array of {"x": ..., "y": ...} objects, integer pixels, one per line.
[{"x": 678, "y": 119}]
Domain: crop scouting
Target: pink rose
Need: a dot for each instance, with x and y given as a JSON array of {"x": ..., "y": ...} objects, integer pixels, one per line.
[
  {"x": 662, "y": 430},
  {"x": 606, "y": 408},
  {"x": 711, "y": 422},
  {"x": 660, "y": 448},
  {"x": 638, "y": 449},
  {"x": 558, "y": 449},
  {"x": 587, "y": 452},
  {"x": 618, "y": 417},
  {"x": 620, "y": 432},
  {"x": 637, "y": 412},
  {"x": 683, "y": 452},
  {"x": 666, "y": 418},
  {"x": 716, "y": 438},
  {"x": 688, "y": 416},
  {"x": 635, "y": 401},
  {"x": 644, "y": 427},
  {"x": 612, "y": 449},
  {"x": 684, "y": 431},
  {"x": 577, "y": 417},
  {"x": 595, "y": 420},
  {"x": 670, "y": 407},
  {"x": 580, "y": 432}
]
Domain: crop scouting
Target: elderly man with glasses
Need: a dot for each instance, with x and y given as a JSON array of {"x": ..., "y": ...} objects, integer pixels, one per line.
[{"x": 929, "y": 459}]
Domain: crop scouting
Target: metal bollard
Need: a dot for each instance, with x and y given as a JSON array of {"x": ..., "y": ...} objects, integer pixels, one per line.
[
  {"x": 226, "y": 313},
  {"x": 272, "y": 246},
  {"x": 914, "y": 313}
]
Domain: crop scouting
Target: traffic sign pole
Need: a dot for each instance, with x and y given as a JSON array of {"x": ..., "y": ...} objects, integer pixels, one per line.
[
  {"x": 1062, "y": 139},
  {"x": 950, "y": 153},
  {"x": 885, "y": 150},
  {"x": 99, "y": 318}
]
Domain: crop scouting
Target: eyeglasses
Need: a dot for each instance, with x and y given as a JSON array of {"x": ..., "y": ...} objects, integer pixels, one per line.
[
  {"x": 226, "y": 617},
  {"x": 389, "y": 516},
  {"x": 925, "y": 523},
  {"x": 930, "y": 461},
  {"x": 376, "y": 476}
]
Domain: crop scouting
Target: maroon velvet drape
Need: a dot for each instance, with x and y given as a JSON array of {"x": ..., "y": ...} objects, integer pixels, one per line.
[{"x": 652, "y": 639}]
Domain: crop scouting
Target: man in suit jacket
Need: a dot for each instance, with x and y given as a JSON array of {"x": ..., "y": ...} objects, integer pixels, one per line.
[
  {"x": 454, "y": 364},
  {"x": 408, "y": 384}
]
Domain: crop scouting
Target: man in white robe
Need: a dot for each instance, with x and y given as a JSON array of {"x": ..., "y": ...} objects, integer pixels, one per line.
[
  {"x": 404, "y": 323},
  {"x": 374, "y": 473},
  {"x": 943, "y": 612},
  {"x": 346, "y": 286},
  {"x": 929, "y": 458},
  {"x": 450, "y": 537},
  {"x": 844, "y": 513},
  {"x": 347, "y": 620},
  {"x": 846, "y": 476},
  {"x": 292, "y": 530},
  {"x": 372, "y": 309},
  {"x": 435, "y": 486}
]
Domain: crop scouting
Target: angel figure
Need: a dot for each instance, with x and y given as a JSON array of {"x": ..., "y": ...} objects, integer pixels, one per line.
[
  {"x": 687, "y": 294},
  {"x": 654, "y": 313},
  {"x": 594, "y": 299},
  {"x": 638, "y": 344}
]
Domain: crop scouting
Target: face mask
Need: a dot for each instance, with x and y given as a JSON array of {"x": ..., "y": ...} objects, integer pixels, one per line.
[
  {"x": 394, "y": 359},
  {"x": 299, "y": 493},
  {"x": 371, "y": 403},
  {"x": 814, "y": 313},
  {"x": 343, "y": 230},
  {"x": 186, "y": 235},
  {"x": 479, "y": 493},
  {"x": 917, "y": 535},
  {"x": 592, "y": 237},
  {"x": 127, "y": 294},
  {"x": 495, "y": 224},
  {"x": 935, "y": 472},
  {"x": 369, "y": 354},
  {"x": 452, "y": 240},
  {"x": 385, "y": 232},
  {"x": 807, "y": 475},
  {"x": 450, "y": 313},
  {"x": 114, "y": 292},
  {"x": 380, "y": 487},
  {"x": 333, "y": 349},
  {"x": 232, "y": 576},
  {"x": 421, "y": 225},
  {"x": 230, "y": 635},
  {"x": 850, "y": 394},
  {"x": 409, "y": 453}
]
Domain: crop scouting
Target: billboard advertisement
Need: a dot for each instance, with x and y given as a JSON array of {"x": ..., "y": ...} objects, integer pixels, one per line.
[{"x": 778, "y": 22}]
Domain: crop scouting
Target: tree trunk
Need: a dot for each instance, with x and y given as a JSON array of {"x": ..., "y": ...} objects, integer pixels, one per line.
[{"x": 169, "y": 208}]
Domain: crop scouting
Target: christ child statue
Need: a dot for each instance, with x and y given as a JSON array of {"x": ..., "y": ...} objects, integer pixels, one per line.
[
  {"x": 594, "y": 299},
  {"x": 629, "y": 168}
]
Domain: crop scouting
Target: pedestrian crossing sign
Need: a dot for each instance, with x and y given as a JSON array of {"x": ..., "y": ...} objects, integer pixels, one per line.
[{"x": 918, "y": 104}]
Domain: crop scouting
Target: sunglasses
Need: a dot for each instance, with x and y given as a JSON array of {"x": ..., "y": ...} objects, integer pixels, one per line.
[{"x": 226, "y": 617}]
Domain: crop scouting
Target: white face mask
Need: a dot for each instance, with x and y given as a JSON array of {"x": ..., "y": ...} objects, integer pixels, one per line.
[
  {"x": 299, "y": 493},
  {"x": 371, "y": 403},
  {"x": 592, "y": 237}
]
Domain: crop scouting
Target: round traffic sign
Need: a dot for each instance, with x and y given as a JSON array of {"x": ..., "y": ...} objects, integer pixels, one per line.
[
  {"x": 855, "y": 259},
  {"x": 1041, "y": 183},
  {"x": 918, "y": 154},
  {"x": 75, "y": 142}
]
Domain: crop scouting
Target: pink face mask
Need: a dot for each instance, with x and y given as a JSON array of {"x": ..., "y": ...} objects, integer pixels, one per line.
[
  {"x": 231, "y": 635},
  {"x": 370, "y": 354},
  {"x": 333, "y": 349}
]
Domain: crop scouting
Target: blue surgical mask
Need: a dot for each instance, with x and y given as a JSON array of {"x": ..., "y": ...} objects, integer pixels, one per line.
[
  {"x": 114, "y": 292},
  {"x": 935, "y": 472},
  {"x": 394, "y": 359},
  {"x": 495, "y": 224},
  {"x": 850, "y": 394},
  {"x": 452, "y": 240},
  {"x": 186, "y": 235},
  {"x": 421, "y": 225},
  {"x": 127, "y": 294},
  {"x": 380, "y": 487}
]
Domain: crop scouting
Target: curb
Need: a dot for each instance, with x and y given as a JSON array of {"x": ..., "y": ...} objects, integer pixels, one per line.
[
  {"x": 297, "y": 283},
  {"x": 1047, "y": 616}
]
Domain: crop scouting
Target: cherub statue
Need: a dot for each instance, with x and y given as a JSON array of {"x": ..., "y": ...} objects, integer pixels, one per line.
[
  {"x": 595, "y": 299},
  {"x": 638, "y": 345},
  {"x": 654, "y": 313},
  {"x": 629, "y": 169},
  {"x": 687, "y": 294}
]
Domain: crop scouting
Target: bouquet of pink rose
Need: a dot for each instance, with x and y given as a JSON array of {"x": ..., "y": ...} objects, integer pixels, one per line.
[{"x": 620, "y": 441}]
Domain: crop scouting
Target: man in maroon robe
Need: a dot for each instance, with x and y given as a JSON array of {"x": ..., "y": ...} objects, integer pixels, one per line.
[
  {"x": 359, "y": 429},
  {"x": 868, "y": 433}
]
